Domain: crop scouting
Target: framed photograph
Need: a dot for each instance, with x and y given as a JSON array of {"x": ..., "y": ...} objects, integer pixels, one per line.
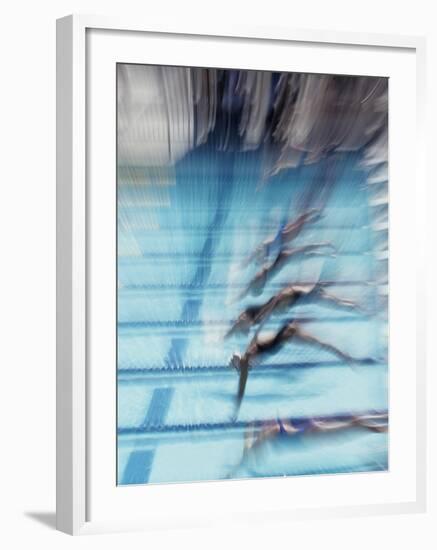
[{"x": 240, "y": 275}]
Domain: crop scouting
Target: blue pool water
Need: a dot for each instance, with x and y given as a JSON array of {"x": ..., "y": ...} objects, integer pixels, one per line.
[{"x": 183, "y": 233}]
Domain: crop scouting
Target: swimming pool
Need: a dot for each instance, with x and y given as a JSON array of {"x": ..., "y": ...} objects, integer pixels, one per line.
[{"x": 184, "y": 232}]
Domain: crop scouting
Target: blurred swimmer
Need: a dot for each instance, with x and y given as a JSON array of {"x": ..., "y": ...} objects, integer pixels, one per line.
[
  {"x": 285, "y": 234},
  {"x": 269, "y": 429},
  {"x": 283, "y": 301},
  {"x": 257, "y": 348},
  {"x": 258, "y": 433},
  {"x": 256, "y": 286}
]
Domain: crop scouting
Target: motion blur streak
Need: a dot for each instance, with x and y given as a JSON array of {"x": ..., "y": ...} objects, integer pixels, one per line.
[
  {"x": 165, "y": 112},
  {"x": 252, "y": 274}
]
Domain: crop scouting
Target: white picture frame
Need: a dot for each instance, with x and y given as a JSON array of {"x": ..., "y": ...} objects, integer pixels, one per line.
[{"x": 75, "y": 396}]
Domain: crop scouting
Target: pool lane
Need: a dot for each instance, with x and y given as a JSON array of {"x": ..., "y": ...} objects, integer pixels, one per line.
[{"x": 180, "y": 253}]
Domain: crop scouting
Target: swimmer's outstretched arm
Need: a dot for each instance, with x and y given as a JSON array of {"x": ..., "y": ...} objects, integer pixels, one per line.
[
  {"x": 243, "y": 367},
  {"x": 250, "y": 441},
  {"x": 263, "y": 435},
  {"x": 244, "y": 373},
  {"x": 231, "y": 331},
  {"x": 238, "y": 325},
  {"x": 253, "y": 439},
  {"x": 249, "y": 437}
]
